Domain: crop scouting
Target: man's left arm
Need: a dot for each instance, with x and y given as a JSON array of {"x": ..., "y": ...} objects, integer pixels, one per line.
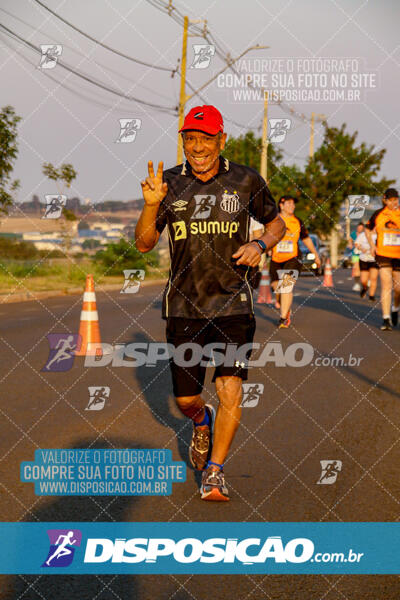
[{"x": 263, "y": 208}]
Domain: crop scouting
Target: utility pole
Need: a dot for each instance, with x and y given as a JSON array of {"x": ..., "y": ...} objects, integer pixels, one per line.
[
  {"x": 264, "y": 141},
  {"x": 183, "y": 98},
  {"x": 182, "y": 95}
]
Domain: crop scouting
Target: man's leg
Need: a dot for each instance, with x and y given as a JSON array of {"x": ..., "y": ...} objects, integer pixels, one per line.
[
  {"x": 386, "y": 290},
  {"x": 373, "y": 281},
  {"x": 286, "y": 304},
  {"x": 192, "y": 407},
  {"x": 229, "y": 391},
  {"x": 396, "y": 297}
]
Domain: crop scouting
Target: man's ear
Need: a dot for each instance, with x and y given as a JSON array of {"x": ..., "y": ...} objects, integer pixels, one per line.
[{"x": 223, "y": 140}]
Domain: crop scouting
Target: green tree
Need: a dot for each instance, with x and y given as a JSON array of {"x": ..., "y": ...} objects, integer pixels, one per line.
[
  {"x": 122, "y": 255},
  {"x": 246, "y": 150},
  {"x": 8, "y": 154},
  {"x": 63, "y": 176},
  {"x": 340, "y": 167}
]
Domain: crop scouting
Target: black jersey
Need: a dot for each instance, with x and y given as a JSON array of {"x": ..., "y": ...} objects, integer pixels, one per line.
[{"x": 207, "y": 222}]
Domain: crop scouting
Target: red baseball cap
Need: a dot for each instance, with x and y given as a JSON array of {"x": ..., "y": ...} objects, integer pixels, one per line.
[{"x": 204, "y": 118}]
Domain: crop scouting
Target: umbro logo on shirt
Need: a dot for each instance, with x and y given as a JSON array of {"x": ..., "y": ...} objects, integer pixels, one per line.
[{"x": 180, "y": 205}]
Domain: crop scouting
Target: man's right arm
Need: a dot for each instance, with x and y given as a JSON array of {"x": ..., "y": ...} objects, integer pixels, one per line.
[
  {"x": 146, "y": 234},
  {"x": 154, "y": 191}
]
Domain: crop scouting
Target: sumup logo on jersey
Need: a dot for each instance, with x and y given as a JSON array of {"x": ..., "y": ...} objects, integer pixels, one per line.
[{"x": 230, "y": 202}]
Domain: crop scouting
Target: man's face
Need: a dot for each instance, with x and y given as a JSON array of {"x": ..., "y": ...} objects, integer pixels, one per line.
[
  {"x": 360, "y": 228},
  {"x": 392, "y": 203},
  {"x": 202, "y": 150},
  {"x": 288, "y": 206}
]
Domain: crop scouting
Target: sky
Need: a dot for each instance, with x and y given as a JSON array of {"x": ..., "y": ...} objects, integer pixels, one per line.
[{"x": 68, "y": 120}]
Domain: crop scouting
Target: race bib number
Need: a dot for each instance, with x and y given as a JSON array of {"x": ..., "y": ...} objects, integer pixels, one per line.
[
  {"x": 285, "y": 246},
  {"x": 391, "y": 239}
]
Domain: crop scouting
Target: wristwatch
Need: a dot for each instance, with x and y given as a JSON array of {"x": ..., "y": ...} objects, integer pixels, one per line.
[{"x": 261, "y": 244}]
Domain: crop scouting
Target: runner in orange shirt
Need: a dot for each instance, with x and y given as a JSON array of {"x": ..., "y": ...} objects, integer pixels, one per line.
[
  {"x": 386, "y": 223},
  {"x": 285, "y": 258}
]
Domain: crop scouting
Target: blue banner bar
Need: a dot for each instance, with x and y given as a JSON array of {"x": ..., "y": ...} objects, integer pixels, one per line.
[{"x": 212, "y": 548}]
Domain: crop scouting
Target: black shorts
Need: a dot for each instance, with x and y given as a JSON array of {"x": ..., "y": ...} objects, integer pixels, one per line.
[
  {"x": 188, "y": 378},
  {"x": 366, "y": 265},
  {"x": 386, "y": 261},
  {"x": 291, "y": 264}
]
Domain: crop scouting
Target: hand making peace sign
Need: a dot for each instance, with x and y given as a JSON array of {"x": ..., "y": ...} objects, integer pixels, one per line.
[{"x": 154, "y": 190}]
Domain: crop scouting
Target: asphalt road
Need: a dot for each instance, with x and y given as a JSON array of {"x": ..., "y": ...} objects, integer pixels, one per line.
[{"x": 347, "y": 412}]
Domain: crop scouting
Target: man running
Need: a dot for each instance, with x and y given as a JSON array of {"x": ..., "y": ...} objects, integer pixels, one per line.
[
  {"x": 206, "y": 205},
  {"x": 286, "y": 256},
  {"x": 368, "y": 265},
  {"x": 386, "y": 223}
]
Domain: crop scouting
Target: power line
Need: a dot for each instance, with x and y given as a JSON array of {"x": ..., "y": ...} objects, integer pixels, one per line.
[
  {"x": 99, "y": 64},
  {"x": 84, "y": 76},
  {"x": 69, "y": 88},
  {"x": 98, "y": 42}
]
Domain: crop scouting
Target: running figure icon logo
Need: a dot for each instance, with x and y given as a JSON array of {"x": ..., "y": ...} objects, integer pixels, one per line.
[
  {"x": 128, "y": 130},
  {"x": 204, "y": 204},
  {"x": 251, "y": 394},
  {"x": 330, "y": 470},
  {"x": 50, "y": 55},
  {"x": 62, "y": 547},
  {"x": 133, "y": 279},
  {"x": 287, "y": 279},
  {"x": 357, "y": 206},
  {"x": 97, "y": 397},
  {"x": 278, "y": 129},
  {"x": 203, "y": 54},
  {"x": 62, "y": 351},
  {"x": 54, "y": 206}
]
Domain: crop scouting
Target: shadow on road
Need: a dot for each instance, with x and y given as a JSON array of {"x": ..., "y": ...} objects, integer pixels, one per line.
[
  {"x": 74, "y": 509},
  {"x": 156, "y": 387}
]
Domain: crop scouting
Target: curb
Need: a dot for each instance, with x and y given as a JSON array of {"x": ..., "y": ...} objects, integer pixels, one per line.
[{"x": 28, "y": 296}]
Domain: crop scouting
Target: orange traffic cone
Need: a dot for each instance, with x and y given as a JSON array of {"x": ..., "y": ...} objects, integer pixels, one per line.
[
  {"x": 328, "y": 280},
  {"x": 89, "y": 326},
  {"x": 264, "y": 294}
]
